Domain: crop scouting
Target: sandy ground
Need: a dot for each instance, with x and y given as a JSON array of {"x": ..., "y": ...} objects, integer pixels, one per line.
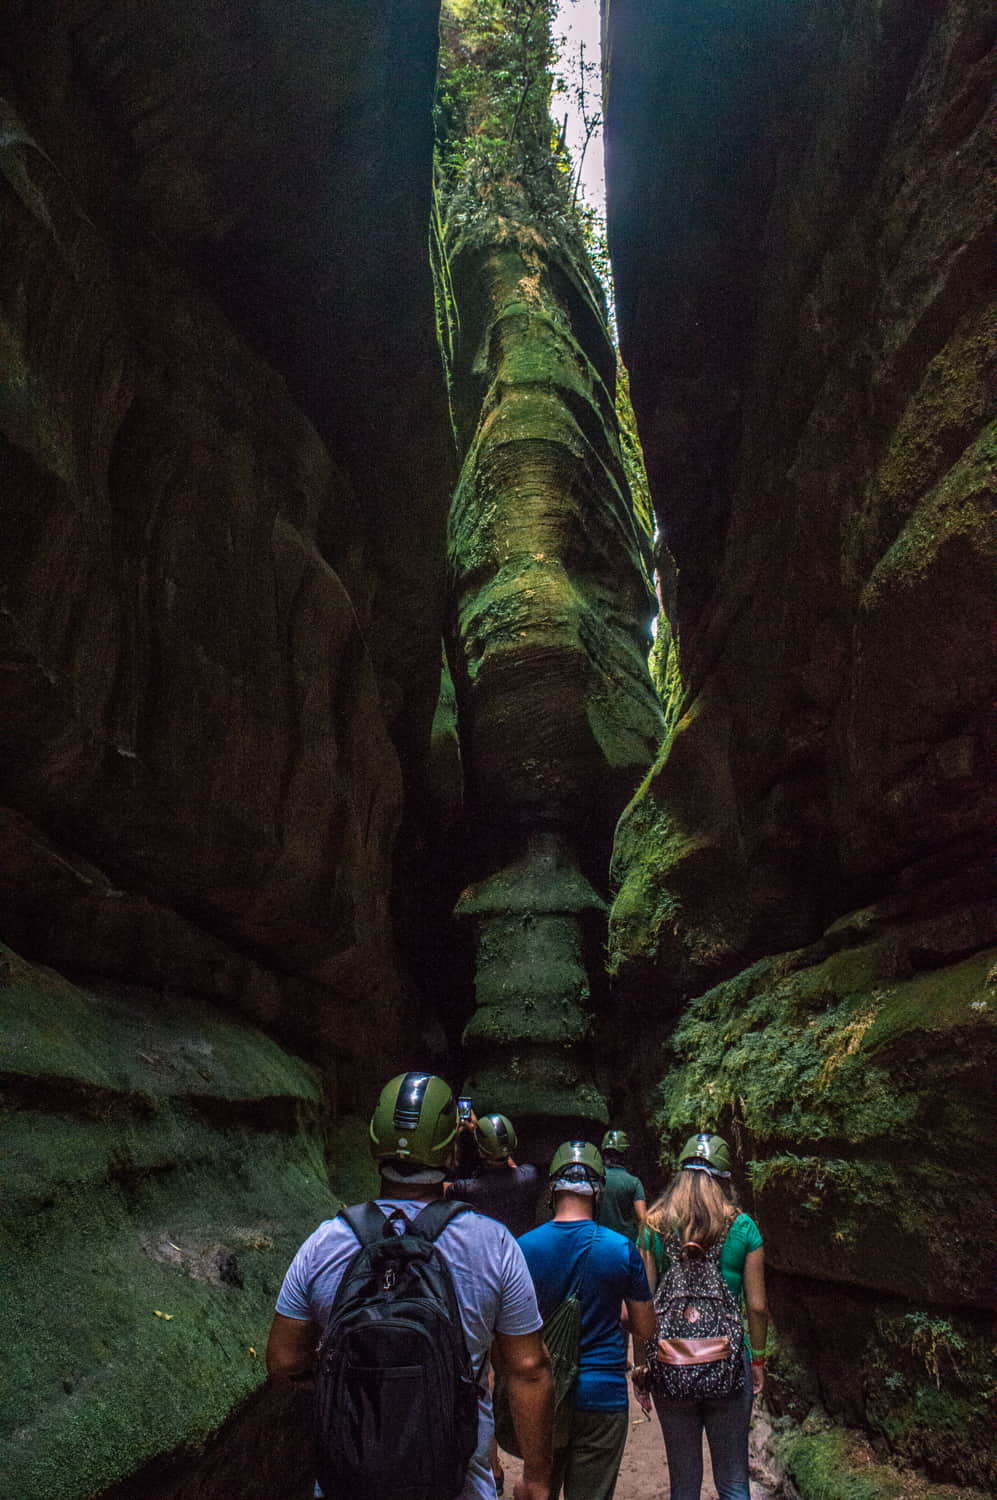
[{"x": 643, "y": 1473}]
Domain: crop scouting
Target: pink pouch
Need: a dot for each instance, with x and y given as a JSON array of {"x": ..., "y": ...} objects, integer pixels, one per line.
[{"x": 692, "y": 1351}]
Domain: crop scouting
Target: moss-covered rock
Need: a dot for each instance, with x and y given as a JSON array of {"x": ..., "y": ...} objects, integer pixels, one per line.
[
  {"x": 161, "y": 1164},
  {"x": 835, "y": 1464},
  {"x": 855, "y": 1079},
  {"x": 548, "y": 593}
]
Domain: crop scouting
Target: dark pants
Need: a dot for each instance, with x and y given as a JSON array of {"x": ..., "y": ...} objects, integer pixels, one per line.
[
  {"x": 588, "y": 1466},
  {"x": 726, "y": 1425}
]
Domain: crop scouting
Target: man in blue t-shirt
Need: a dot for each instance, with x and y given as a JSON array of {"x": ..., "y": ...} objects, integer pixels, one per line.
[{"x": 609, "y": 1272}]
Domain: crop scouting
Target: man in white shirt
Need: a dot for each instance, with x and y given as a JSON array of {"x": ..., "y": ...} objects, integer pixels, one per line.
[{"x": 412, "y": 1131}]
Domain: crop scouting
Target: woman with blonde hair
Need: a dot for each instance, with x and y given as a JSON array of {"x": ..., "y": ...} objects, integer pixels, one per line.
[{"x": 697, "y": 1212}]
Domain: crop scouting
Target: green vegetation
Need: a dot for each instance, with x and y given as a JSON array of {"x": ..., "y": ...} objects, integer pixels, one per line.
[
  {"x": 932, "y": 1383},
  {"x": 166, "y": 1164},
  {"x": 836, "y": 1464},
  {"x": 494, "y": 129},
  {"x": 499, "y": 153}
]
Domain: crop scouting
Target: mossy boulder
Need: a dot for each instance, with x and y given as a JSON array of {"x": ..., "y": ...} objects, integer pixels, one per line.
[
  {"x": 161, "y": 1164},
  {"x": 834, "y": 1464},
  {"x": 855, "y": 1079}
]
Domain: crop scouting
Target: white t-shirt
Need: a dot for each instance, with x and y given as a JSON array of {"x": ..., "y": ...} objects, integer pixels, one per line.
[{"x": 492, "y": 1283}]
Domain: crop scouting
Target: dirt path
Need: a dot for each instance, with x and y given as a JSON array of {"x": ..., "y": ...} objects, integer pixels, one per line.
[{"x": 643, "y": 1473}]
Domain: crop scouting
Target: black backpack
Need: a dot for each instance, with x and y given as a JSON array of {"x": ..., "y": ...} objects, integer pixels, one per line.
[
  {"x": 396, "y": 1400},
  {"x": 697, "y": 1353}
]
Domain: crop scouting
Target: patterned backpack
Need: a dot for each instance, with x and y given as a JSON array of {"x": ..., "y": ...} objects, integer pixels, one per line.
[{"x": 697, "y": 1353}]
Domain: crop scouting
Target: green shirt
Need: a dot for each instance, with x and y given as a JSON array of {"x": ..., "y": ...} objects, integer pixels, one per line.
[
  {"x": 742, "y": 1237},
  {"x": 616, "y": 1204}
]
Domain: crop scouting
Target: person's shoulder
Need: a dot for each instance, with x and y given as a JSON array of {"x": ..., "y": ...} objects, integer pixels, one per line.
[
  {"x": 326, "y": 1233},
  {"x": 535, "y": 1239},
  {"x": 612, "y": 1239},
  {"x": 481, "y": 1225},
  {"x": 743, "y": 1227}
]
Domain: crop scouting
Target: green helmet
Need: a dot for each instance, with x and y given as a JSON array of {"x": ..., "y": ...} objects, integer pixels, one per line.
[
  {"x": 707, "y": 1152},
  {"x": 578, "y": 1153},
  {"x": 415, "y": 1120},
  {"x": 616, "y": 1140},
  {"x": 495, "y": 1137}
]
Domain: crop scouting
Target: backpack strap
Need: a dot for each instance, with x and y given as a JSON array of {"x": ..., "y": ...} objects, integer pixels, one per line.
[
  {"x": 367, "y": 1221},
  {"x": 431, "y": 1221},
  {"x": 576, "y": 1285}
]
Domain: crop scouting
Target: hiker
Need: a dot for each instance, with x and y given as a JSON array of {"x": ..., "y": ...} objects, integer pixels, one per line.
[
  {"x": 695, "y": 1229},
  {"x": 382, "y": 1435},
  {"x": 497, "y": 1186},
  {"x": 623, "y": 1203},
  {"x": 502, "y": 1190},
  {"x": 573, "y": 1252}
]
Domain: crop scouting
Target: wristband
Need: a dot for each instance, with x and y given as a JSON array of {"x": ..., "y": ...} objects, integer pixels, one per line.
[
  {"x": 759, "y": 1361},
  {"x": 758, "y": 1353}
]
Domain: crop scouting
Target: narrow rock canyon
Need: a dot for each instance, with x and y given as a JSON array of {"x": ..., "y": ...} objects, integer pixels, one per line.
[{"x": 333, "y": 738}]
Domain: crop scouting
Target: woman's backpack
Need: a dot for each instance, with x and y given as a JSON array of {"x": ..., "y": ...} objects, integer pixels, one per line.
[
  {"x": 396, "y": 1401},
  {"x": 697, "y": 1353},
  {"x": 561, "y": 1334}
]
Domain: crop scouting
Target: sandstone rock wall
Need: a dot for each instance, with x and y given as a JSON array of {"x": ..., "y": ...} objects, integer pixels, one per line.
[
  {"x": 222, "y": 598},
  {"x": 547, "y": 639},
  {"x": 221, "y": 609},
  {"x": 799, "y": 217}
]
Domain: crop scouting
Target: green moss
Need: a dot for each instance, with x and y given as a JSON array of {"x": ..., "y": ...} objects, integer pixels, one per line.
[
  {"x": 154, "y": 1193},
  {"x": 545, "y": 1081},
  {"x": 837, "y": 1464},
  {"x": 519, "y": 889},
  {"x": 96, "y": 1382},
  {"x": 820, "y": 1467},
  {"x": 932, "y": 1383},
  {"x": 527, "y": 1020},
  {"x": 353, "y": 1175},
  {"x": 114, "y": 1039},
  {"x": 808, "y": 1054}
]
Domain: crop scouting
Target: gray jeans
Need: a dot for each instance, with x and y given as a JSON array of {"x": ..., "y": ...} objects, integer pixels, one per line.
[{"x": 726, "y": 1425}]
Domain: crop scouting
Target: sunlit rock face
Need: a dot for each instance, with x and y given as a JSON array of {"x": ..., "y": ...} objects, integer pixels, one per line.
[
  {"x": 221, "y": 605},
  {"x": 798, "y": 221},
  {"x": 548, "y": 643}
]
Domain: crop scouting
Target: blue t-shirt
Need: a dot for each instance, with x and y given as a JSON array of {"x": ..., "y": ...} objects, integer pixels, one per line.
[{"x": 613, "y": 1273}]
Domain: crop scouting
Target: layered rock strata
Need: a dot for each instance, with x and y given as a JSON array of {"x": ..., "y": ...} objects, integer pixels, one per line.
[
  {"x": 221, "y": 608},
  {"x": 805, "y": 875},
  {"x": 216, "y": 258},
  {"x": 548, "y": 647}
]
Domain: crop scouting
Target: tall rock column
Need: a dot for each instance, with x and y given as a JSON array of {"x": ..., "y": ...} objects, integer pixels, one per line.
[{"x": 548, "y": 605}]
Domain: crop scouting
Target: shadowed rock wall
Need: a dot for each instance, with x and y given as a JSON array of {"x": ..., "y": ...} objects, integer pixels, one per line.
[
  {"x": 798, "y": 222},
  {"x": 221, "y": 608},
  {"x": 216, "y": 230}
]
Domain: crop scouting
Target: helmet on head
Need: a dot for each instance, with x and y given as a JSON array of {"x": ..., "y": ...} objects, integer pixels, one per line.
[
  {"x": 706, "y": 1153},
  {"x": 578, "y": 1161},
  {"x": 616, "y": 1140},
  {"x": 415, "y": 1120},
  {"x": 495, "y": 1137}
]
